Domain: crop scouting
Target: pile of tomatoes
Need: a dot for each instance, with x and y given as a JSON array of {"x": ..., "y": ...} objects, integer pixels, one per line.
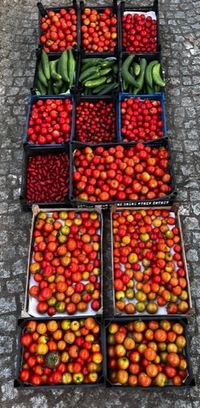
[
  {"x": 50, "y": 121},
  {"x": 59, "y": 30},
  {"x": 141, "y": 120},
  {"x": 95, "y": 122},
  {"x": 66, "y": 262},
  {"x": 61, "y": 352},
  {"x": 139, "y": 33},
  {"x": 99, "y": 30},
  {"x": 149, "y": 271},
  {"x": 121, "y": 173},
  {"x": 146, "y": 353}
]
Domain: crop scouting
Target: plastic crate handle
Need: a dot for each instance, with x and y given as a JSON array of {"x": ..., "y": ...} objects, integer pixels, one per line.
[{"x": 41, "y": 9}]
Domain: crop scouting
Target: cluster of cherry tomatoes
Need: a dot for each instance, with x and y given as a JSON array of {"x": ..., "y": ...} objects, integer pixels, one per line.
[
  {"x": 61, "y": 352},
  {"x": 139, "y": 33},
  {"x": 66, "y": 262},
  {"x": 149, "y": 271},
  {"x": 95, "y": 122},
  {"x": 146, "y": 353}
]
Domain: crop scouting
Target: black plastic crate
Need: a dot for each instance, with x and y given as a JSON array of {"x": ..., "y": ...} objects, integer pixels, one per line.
[
  {"x": 19, "y": 384},
  {"x": 29, "y": 152},
  {"x": 137, "y": 57},
  {"x": 79, "y": 86},
  {"x": 137, "y": 9},
  {"x": 52, "y": 58},
  {"x": 106, "y": 98},
  {"x": 156, "y": 97},
  {"x": 189, "y": 381},
  {"x": 31, "y": 101},
  {"x": 168, "y": 199},
  {"x": 42, "y": 11},
  {"x": 100, "y": 9}
]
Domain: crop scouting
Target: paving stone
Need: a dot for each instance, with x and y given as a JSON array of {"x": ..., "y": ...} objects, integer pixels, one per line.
[{"x": 180, "y": 35}]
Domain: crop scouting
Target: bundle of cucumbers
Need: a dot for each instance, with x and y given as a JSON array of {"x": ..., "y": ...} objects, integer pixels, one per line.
[
  {"x": 98, "y": 76},
  {"x": 141, "y": 77},
  {"x": 56, "y": 76}
]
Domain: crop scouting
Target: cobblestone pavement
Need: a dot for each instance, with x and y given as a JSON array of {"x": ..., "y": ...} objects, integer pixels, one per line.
[{"x": 180, "y": 35}]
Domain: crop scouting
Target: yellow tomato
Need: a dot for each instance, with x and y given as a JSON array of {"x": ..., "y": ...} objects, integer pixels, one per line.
[
  {"x": 42, "y": 349},
  {"x": 42, "y": 339},
  {"x": 65, "y": 324}
]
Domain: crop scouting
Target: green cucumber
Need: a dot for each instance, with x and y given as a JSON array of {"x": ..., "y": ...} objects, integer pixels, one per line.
[
  {"x": 96, "y": 82},
  {"x": 98, "y": 89},
  {"x": 136, "y": 68},
  {"x": 41, "y": 75},
  {"x": 50, "y": 87},
  {"x": 41, "y": 88},
  {"x": 149, "y": 89},
  {"x": 87, "y": 73},
  {"x": 157, "y": 76},
  {"x": 148, "y": 73},
  {"x": 140, "y": 79},
  {"x": 108, "y": 88},
  {"x": 125, "y": 71},
  {"x": 54, "y": 74},
  {"x": 104, "y": 71},
  {"x": 62, "y": 66},
  {"x": 156, "y": 88},
  {"x": 58, "y": 84},
  {"x": 71, "y": 67},
  {"x": 45, "y": 64}
]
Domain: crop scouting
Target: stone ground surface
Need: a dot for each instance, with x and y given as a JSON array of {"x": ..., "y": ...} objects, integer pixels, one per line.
[{"x": 180, "y": 38}]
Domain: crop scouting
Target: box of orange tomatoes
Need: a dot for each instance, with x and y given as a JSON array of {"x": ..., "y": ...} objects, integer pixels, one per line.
[
  {"x": 147, "y": 353},
  {"x": 149, "y": 269},
  {"x": 65, "y": 263},
  {"x": 59, "y": 353}
]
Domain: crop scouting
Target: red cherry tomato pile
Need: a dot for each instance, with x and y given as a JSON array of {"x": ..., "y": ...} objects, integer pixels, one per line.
[
  {"x": 139, "y": 33},
  {"x": 99, "y": 30},
  {"x": 95, "y": 122},
  {"x": 146, "y": 353},
  {"x": 66, "y": 262},
  {"x": 59, "y": 30},
  {"x": 47, "y": 178},
  {"x": 121, "y": 173},
  {"x": 141, "y": 120},
  {"x": 148, "y": 265},
  {"x": 50, "y": 121},
  {"x": 61, "y": 352}
]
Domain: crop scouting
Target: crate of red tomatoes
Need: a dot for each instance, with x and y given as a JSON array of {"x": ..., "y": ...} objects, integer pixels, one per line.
[
  {"x": 129, "y": 174},
  {"x": 99, "y": 29},
  {"x": 45, "y": 179},
  {"x": 59, "y": 353},
  {"x": 49, "y": 121},
  {"x": 95, "y": 120},
  {"x": 149, "y": 354},
  {"x": 149, "y": 269},
  {"x": 65, "y": 263},
  {"x": 138, "y": 28},
  {"x": 59, "y": 28},
  {"x": 141, "y": 118}
]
